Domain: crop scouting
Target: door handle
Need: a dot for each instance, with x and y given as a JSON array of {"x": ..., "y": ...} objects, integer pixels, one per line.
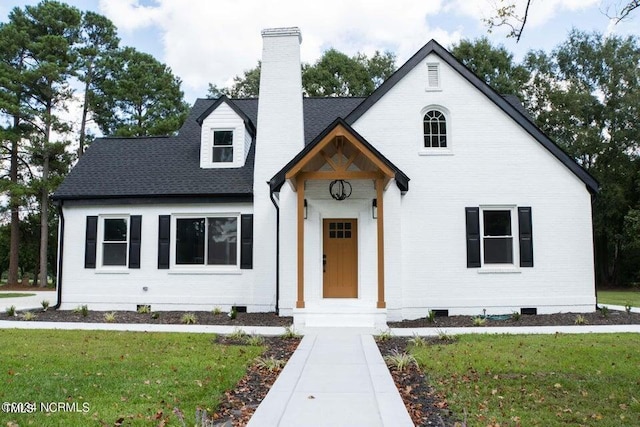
[{"x": 324, "y": 263}]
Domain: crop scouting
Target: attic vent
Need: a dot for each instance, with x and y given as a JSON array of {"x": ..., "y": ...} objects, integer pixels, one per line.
[{"x": 433, "y": 76}]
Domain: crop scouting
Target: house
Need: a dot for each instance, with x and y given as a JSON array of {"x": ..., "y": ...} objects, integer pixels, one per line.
[{"x": 433, "y": 193}]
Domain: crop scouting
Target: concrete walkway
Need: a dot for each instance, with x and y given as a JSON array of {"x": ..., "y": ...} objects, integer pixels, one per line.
[
  {"x": 28, "y": 302},
  {"x": 336, "y": 377}
]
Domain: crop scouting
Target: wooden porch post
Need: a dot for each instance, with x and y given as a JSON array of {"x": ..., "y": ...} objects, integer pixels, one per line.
[
  {"x": 380, "y": 223},
  {"x": 300, "y": 299}
]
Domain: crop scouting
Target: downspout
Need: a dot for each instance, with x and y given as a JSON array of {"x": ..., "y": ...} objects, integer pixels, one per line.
[
  {"x": 593, "y": 243},
  {"x": 60, "y": 255},
  {"x": 277, "y": 250}
]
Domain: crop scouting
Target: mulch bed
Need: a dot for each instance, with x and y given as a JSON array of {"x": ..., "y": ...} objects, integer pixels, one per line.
[
  {"x": 561, "y": 319},
  {"x": 163, "y": 318},
  {"x": 241, "y": 402},
  {"x": 425, "y": 406}
]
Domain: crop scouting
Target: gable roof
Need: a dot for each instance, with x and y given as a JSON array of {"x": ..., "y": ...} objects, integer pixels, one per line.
[
  {"x": 223, "y": 99},
  {"x": 519, "y": 115},
  {"x": 402, "y": 181}
]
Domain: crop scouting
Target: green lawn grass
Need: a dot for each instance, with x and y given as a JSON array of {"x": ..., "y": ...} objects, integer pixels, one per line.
[
  {"x": 631, "y": 298},
  {"x": 138, "y": 377},
  {"x": 561, "y": 380},
  {"x": 14, "y": 295}
]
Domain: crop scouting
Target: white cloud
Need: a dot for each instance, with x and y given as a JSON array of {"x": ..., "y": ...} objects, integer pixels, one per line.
[{"x": 207, "y": 41}]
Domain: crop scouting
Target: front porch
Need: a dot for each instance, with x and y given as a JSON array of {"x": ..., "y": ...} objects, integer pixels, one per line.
[{"x": 333, "y": 231}]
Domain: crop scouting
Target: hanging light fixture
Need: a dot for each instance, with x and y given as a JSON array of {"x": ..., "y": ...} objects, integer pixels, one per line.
[{"x": 340, "y": 189}]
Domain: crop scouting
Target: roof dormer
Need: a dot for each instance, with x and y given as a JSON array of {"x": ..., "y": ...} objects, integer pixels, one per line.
[{"x": 226, "y": 135}]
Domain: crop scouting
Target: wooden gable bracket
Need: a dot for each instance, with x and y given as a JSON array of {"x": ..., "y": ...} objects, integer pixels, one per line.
[{"x": 338, "y": 136}]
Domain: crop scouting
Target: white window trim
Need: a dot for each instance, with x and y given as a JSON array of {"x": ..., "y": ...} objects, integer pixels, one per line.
[
  {"x": 100, "y": 267},
  {"x": 203, "y": 268},
  {"x": 437, "y": 88},
  {"x": 435, "y": 151},
  {"x": 514, "y": 267},
  {"x": 233, "y": 145}
]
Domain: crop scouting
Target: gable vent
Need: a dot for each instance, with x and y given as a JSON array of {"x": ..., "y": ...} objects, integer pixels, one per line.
[{"x": 433, "y": 76}]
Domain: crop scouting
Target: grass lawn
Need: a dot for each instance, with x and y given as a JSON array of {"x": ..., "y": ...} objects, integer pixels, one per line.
[
  {"x": 138, "y": 377},
  {"x": 14, "y": 295},
  {"x": 561, "y": 380},
  {"x": 619, "y": 297}
]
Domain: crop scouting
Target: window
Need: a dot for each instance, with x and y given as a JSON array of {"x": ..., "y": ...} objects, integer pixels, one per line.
[
  {"x": 114, "y": 242},
  {"x": 497, "y": 237},
  {"x": 207, "y": 241},
  {"x": 435, "y": 129},
  {"x": 491, "y": 231},
  {"x": 222, "y": 150}
]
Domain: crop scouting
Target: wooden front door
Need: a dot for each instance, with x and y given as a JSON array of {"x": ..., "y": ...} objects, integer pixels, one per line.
[{"x": 340, "y": 258}]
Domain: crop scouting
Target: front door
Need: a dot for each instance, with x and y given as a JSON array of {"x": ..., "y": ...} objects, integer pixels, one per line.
[{"x": 340, "y": 258}]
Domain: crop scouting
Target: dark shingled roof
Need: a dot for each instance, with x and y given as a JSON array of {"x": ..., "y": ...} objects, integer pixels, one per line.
[{"x": 150, "y": 167}]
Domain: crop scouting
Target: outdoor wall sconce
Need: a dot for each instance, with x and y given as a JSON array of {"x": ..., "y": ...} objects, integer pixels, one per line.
[
  {"x": 374, "y": 208},
  {"x": 305, "y": 209},
  {"x": 340, "y": 189}
]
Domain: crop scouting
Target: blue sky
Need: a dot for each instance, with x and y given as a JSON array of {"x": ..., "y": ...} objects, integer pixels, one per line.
[{"x": 213, "y": 40}]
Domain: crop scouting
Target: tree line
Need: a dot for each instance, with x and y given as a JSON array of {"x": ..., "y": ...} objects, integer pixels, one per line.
[
  {"x": 585, "y": 94},
  {"x": 51, "y": 54}
]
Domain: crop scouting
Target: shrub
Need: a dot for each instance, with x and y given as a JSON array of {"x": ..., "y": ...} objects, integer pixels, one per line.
[
  {"x": 515, "y": 316},
  {"x": 110, "y": 317},
  {"x": 290, "y": 333},
  {"x": 384, "y": 336},
  {"x": 28, "y": 316},
  {"x": 233, "y": 313},
  {"x": 604, "y": 311},
  {"x": 431, "y": 316},
  {"x": 627, "y": 308},
  {"x": 479, "y": 321},
  {"x": 254, "y": 340},
  {"x": 189, "y": 319},
  {"x": 238, "y": 335},
  {"x": 443, "y": 336},
  {"x": 418, "y": 341},
  {"x": 270, "y": 363},
  {"x": 216, "y": 311},
  {"x": 581, "y": 320},
  {"x": 45, "y": 304},
  {"x": 11, "y": 311},
  {"x": 400, "y": 361},
  {"x": 82, "y": 309},
  {"x": 155, "y": 315},
  {"x": 144, "y": 309}
]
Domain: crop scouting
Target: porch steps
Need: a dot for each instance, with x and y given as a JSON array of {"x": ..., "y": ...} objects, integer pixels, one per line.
[{"x": 340, "y": 315}]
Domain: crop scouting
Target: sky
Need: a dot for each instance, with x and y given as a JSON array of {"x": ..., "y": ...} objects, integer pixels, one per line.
[{"x": 211, "y": 41}]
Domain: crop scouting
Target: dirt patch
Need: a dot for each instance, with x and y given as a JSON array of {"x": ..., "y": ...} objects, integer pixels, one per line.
[
  {"x": 609, "y": 317},
  {"x": 159, "y": 318},
  {"x": 426, "y": 407},
  {"x": 241, "y": 402}
]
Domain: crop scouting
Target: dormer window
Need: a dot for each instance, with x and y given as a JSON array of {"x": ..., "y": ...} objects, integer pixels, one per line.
[{"x": 222, "y": 150}]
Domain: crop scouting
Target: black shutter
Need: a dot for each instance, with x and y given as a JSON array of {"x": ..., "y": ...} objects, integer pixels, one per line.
[
  {"x": 90, "y": 243},
  {"x": 164, "y": 241},
  {"x": 134, "y": 241},
  {"x": 472, "y": 216},
  {"x": 526, "y": 241},
  {"x": 246, "y": 241}
]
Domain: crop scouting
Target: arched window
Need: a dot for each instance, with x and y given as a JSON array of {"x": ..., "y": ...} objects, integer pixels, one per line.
[{"x": 435, "y": 129}]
